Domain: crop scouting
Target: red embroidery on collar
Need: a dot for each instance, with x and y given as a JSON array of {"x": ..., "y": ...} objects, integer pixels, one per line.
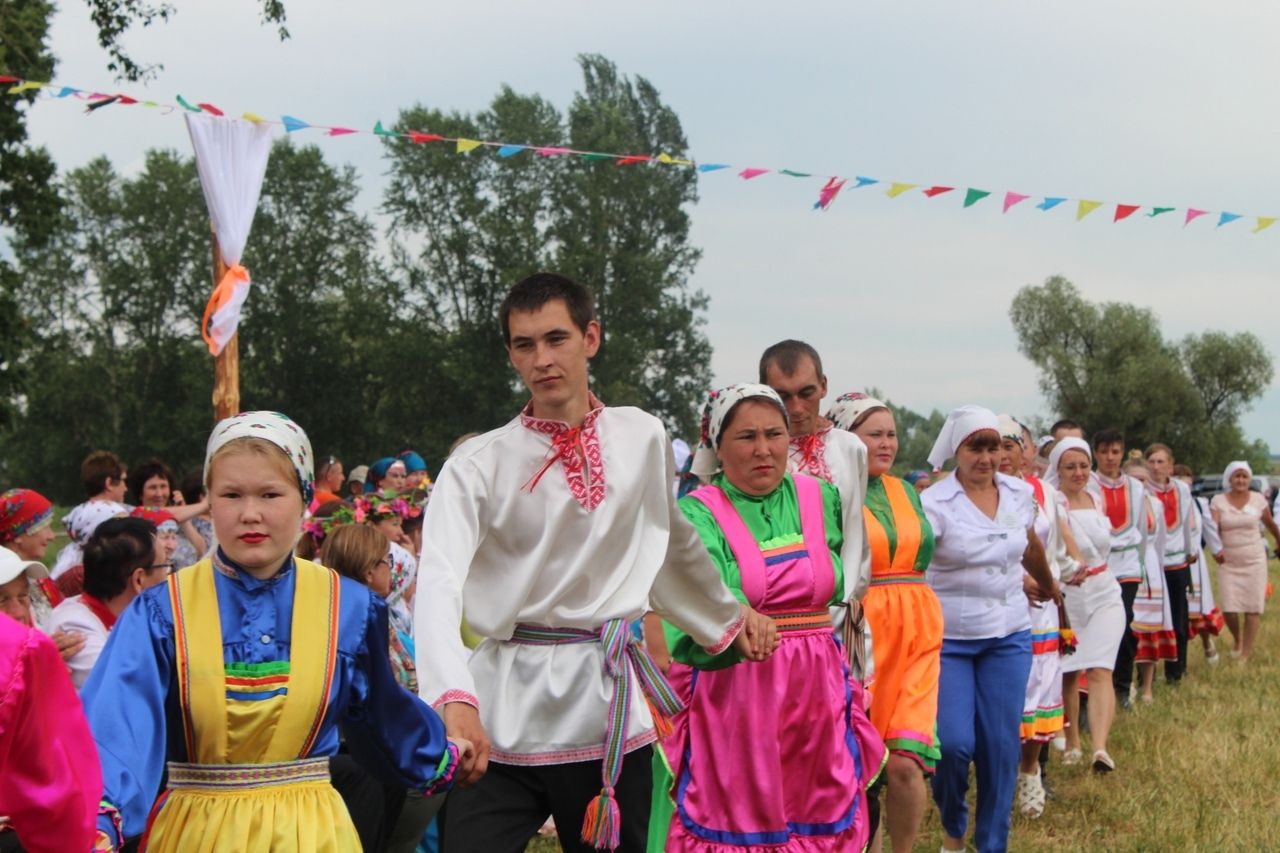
[
  {"x": 808, "y": 455},
  {"x": 577, "y": 449}
]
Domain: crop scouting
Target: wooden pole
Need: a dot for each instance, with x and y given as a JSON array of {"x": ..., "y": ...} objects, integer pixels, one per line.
[{"x": 226, "y": 365}]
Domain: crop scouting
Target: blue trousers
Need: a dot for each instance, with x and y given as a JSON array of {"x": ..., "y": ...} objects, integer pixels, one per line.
[{"x": 980, "y": 693}]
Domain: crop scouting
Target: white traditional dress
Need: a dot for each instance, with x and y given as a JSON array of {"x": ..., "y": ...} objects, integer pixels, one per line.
[{"x": 1094, "y": 607}]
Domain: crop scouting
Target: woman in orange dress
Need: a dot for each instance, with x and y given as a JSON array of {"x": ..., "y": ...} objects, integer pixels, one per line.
[{"x": 904, "y": 617}]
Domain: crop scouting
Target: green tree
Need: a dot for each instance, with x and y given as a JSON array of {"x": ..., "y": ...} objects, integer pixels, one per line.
[
  {"x": 1108, "y": 365},
  {"x": 466, "y": 228}
]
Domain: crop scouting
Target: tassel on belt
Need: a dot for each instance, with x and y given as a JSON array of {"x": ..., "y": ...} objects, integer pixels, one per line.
[
  {"x": 622, "y": 654},
  {"x": 230, "y": 777}
]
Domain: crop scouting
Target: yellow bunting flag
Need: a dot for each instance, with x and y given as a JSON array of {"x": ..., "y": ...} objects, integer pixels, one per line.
[
  {"x": 1264, "y": 222},
  {"x": 26, "y": 86},
  {"x": 672, "y": 161},
  {"x": 253, "y": 117},
  {"x": 1085, "y": 208},
  {"x": 898, "y": 189},
  {"x": 465, "y": 145}
]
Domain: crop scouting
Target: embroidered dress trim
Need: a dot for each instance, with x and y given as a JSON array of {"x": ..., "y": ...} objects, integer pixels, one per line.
[
  {"x": 456, "y": 696},
  {"x": 569, "y": 756},
  {"x": 586, "y": 480},
  {"x": 730, "y": 634},
  {"x": 810, "y": 621},
  {"x": 245, "y": 776}
]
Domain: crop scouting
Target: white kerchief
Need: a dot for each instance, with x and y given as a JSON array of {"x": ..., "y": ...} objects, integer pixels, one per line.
[
  {"x": 847, "y": 408},
  {"x": 719, "y": 404},
  {"x": 271, "y": 427},
  {"x": 1063, "y": 445},
  {"x": 1238, "y": 465},
  {"x": 959, "y": 426}
]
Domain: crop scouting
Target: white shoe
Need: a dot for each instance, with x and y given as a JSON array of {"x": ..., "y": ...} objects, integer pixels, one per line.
[
  {"x": 1029, "y": 794},
  {"x": 1060, "y": 743},
  {"x": 1072, "y": 757}
]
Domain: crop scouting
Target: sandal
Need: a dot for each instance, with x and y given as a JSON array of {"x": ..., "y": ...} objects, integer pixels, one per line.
[
  {"x": 1072, "y": 757},
  {"x": 1030, "y": 795}
]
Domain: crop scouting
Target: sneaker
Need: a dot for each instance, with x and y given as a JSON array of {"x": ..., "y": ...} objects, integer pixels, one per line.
[
  {"x": 1072, "y": 757},
  {"x": 1102, "y": 762},
  {"x": 1029, "y": 795},
  {"x": 1211, "y": 654}
]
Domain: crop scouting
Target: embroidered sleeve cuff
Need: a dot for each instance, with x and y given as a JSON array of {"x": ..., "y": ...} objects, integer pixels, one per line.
[
  {"x": 460, "y": 696},
  {"x": 730, "y": 634},
  {"x": 110, "y": 827},
  {"x": 447, "y": 769}
]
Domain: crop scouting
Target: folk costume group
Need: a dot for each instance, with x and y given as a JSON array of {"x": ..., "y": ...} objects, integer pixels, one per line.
[{"x": 828, "y": 636}]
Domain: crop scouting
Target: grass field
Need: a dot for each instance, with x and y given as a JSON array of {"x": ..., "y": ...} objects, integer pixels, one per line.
[{"x": 1197, "y": 770}]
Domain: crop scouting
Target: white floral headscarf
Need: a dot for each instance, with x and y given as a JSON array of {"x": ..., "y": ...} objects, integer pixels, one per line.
[
  {"x": 718, "y": 406},
  {"x": 272, "y": 427},
  {"x": 847, "y": 408}
]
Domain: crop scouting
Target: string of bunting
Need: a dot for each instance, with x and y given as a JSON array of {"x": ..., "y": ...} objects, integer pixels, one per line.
[{"x": 827, "y": 193}]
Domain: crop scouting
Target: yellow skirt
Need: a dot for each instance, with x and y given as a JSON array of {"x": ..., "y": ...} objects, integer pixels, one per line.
[{"x": 253, "y": 808}]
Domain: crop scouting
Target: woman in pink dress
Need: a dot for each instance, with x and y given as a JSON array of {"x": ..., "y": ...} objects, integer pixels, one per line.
[
  {"x": 776, "y": 755},
  {"x": 1242, "y": 564}
]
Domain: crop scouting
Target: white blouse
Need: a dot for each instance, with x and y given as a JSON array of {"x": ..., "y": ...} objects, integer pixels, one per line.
[
  {"x": 1092, "y": 532},
  {"x": 575, "y": 549},
  {"x": 976, "y": 570}
]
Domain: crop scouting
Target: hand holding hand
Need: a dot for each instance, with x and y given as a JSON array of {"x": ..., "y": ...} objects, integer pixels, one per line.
[
  {"x": 69, "y": 644},
  {"x": 758, "y": 638},
  {"x": 463, "y": 726},
  {"x": 1079, "y": 577}
]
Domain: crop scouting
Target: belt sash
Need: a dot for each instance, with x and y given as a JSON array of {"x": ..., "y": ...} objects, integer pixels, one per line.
[
  {"x": 623, "y": 655},
  {"x": 231, "y": 777}
]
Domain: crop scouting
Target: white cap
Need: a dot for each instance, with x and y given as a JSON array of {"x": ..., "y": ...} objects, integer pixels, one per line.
[{"x": 11, "y": 565}]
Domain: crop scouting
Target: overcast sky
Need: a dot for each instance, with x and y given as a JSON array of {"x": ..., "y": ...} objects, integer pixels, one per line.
[{"x": 1153, "y": 103}]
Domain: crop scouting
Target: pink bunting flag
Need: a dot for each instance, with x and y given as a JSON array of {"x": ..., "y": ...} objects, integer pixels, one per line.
[
  {"x": 1192, "y": 213},
  {"x": 340, "y": 131},
  {"x": 1124, "y": 211},
  {"x": 829, "y": 191},
  {"x": 748, "y": 174},
  {"x": 1011, "y": 198},
  {"x": 552, "y": 152}
]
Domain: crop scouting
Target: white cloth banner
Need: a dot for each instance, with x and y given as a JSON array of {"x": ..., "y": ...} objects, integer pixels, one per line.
[{"x": 231, "y": 157}]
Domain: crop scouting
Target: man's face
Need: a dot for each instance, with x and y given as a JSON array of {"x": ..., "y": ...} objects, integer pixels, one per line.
[
  {"x": 550, "y": 353},
  {"x": 1109, "y": 456},
  {"x": 1067, "y": 432},
  {"x": 801, "y": 393}
]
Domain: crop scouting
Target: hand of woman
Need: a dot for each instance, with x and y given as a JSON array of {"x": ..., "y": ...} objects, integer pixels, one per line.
[
  {"x": 1079, "y": 576},
  {"x": 1032, "y": 590},
  {"x": 1217, "y": 558},
  {"x": 758, "y": 638},
  {"x": 69, "y": 645},
  {"x": 177, "y": 499}
]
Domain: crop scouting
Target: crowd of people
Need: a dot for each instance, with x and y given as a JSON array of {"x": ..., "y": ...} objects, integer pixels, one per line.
[{"x": 581, "y": 627}]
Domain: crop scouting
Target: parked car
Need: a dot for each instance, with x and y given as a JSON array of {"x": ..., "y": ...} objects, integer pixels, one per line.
[{"x": 1207, "y": 487}]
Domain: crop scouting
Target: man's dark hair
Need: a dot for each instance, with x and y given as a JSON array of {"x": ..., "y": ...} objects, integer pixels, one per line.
[
  {"x": 151, "y": 468},
  {"x": 115, "y": 549},
  {"x": 192, "y": 486},
  {"x": 1065, "y": 423},
  {"x": 530, "y": 294},
  {"x": 787, "y": 355},
  {"x": 98, "y": 467},
  {"x": 1108, "y": 436}
]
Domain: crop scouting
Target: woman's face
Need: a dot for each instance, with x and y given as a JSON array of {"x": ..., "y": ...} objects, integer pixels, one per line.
[
  {"x": 256, "y": 510},
  {"x": 414, "y": 480},
  {"x": 169, "y": 543},
  {"x": 390, "y": 526},
  {"x": 879, "y": 434},
  {"x": 1074, "y": 469},
  {"x": 1010, "y": 457},
  {"x": 394, "y": 478},
  {"x": 379, "y": 576},
  {"x": 155, "y": 492},
  {"x": 32, "y": 545},
  {"x": 977, "y": 460},
  {"x": 1240, "y": 480},
  {"x": 753, "y": 447},
  {"x": 334, "y": 478},
  {"x": 15, "y": 599}
]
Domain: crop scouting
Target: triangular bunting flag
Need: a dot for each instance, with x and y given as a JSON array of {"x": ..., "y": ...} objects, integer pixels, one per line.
[
  {"x": 253, "y": 117},
  {"x": 182, "y": 102},
  {"x": 595, "y": 156},
  {"x": 1124, "y": 211},
  {"x": 865, "y": 182},
  {"x": 1192, "y": 213},
  {"x": 1224, "y": 218},
  {"x": 379, "y": 130},
  {"x": 712, "y": 167},
  {"x": 1085, "y": 208},
  {"x": 936, "y": 191},
  {"x": 510, "y": 150},
  {"x": 672, "y": 161},
  {"x": 896, "y": 189},
  {"x": 5, "y": 79},
  {"x": 26, "y": 87},
  {"x": 418, "y": 137},
  {"x": 291, "y": 124},
  {"x": 748, "y": 174},
  {"x": 974, "y": 196},
  {"x": 465, "y": 145},
  {"x": 1264, "y": 222},
  {"x": 64, "y": 91},
  {"x": 794, "y": 174},
  {"x": 1050, "y": 202},
  {"x": 631, "y": 159},
  {"x": 828, "y": 193},
  {"x": 342, "y": 131},
  {"x": 552, "y": 152},
  {"x": 1012, "y": 198},
  {"x": 1156, "y": 211},
  {"x": 209, "y": 108}
]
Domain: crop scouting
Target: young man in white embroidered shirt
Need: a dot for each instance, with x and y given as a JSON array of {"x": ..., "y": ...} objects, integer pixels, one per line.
[{"x": 553, "y": 532}]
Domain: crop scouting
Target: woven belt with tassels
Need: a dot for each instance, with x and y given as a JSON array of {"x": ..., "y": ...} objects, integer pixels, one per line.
[{"x": 602, "y": 826}]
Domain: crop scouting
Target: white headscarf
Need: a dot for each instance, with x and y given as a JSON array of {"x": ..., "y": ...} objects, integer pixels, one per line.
[
  {"x": 719, "y": 404},
  {"x": 1063, "y": 445},
  {"x": 1009, "y": 428},
  {"x": 271, "y": 427},
  {"x": 1238, "y": 465},
  {"x": 847, "y": 408},
  {"x": 959, "y": 426}
]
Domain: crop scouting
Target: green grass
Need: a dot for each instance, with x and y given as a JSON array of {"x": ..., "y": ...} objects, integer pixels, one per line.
[{"x": 1197, "y": 770}]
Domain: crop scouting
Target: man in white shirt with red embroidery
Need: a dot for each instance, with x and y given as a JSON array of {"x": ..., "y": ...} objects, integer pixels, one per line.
[
  {"x": 553, "y": 532},
  {"x": 794, "y": 370}
]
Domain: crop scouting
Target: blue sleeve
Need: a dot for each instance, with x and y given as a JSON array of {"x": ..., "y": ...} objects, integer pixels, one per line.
[
  {"x": 124, "y": 700},
  {"x": 390, "y": 731}
]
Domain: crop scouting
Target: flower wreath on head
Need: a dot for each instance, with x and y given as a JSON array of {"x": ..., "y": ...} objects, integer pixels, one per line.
[{"x": 388, "y": 503}]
